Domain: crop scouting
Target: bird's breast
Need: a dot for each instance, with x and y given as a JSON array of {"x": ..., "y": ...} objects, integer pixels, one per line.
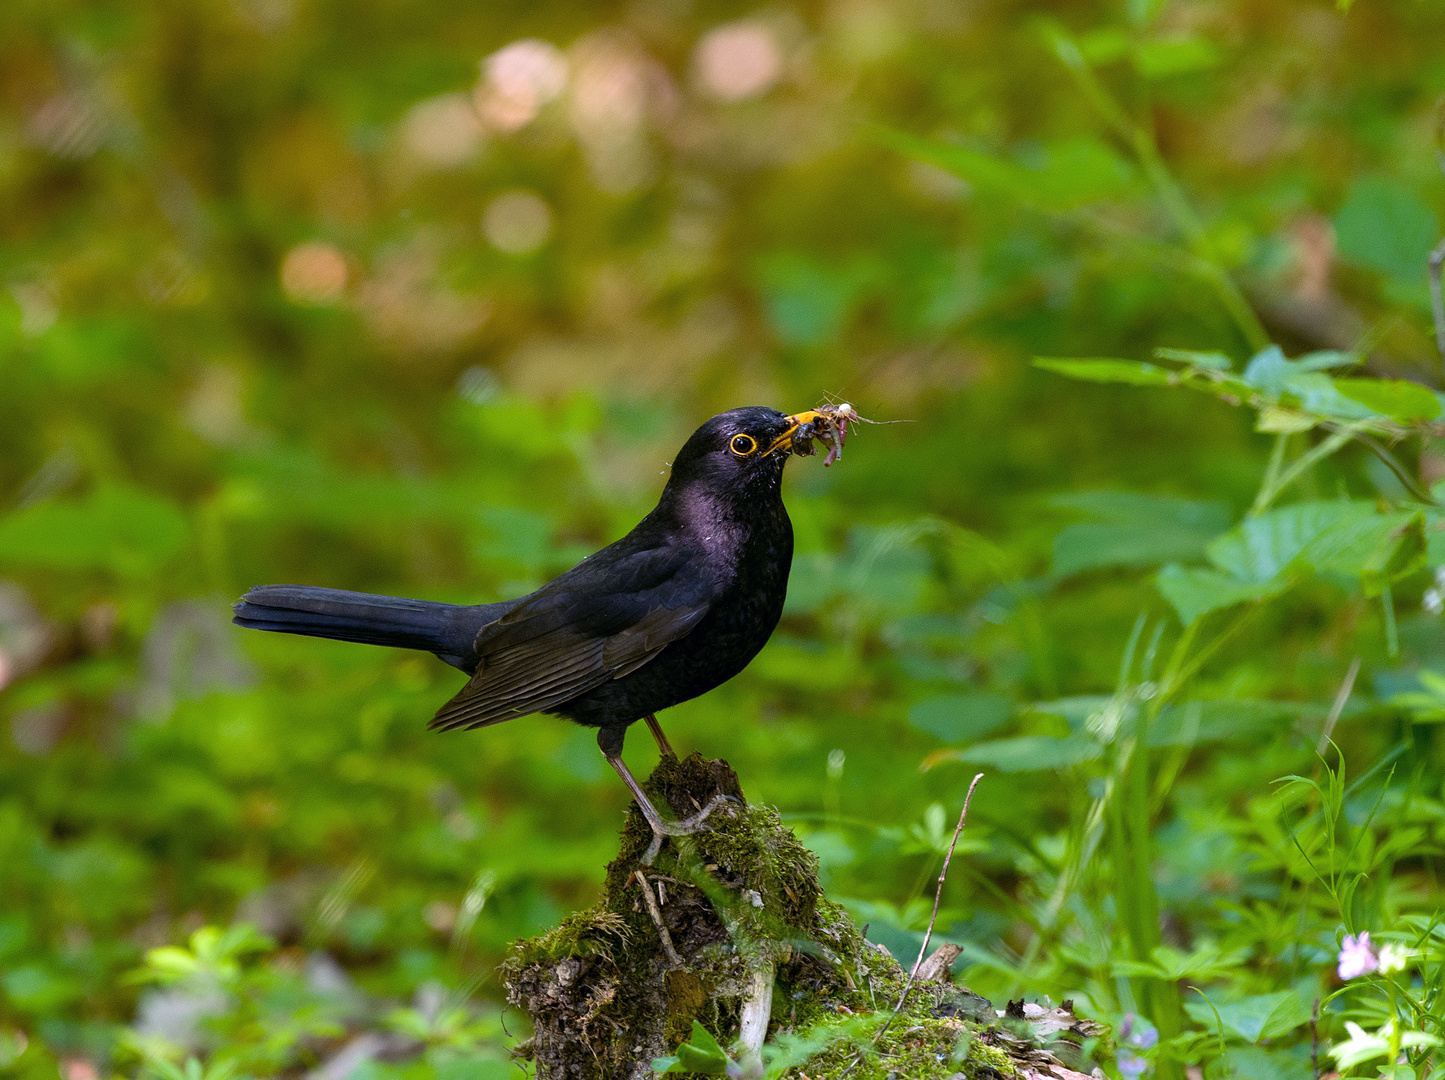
[{"x": 749, "y": 561}]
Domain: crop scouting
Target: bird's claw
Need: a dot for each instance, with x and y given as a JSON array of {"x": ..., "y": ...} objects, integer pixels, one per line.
[{"x": 661, "y": 830}]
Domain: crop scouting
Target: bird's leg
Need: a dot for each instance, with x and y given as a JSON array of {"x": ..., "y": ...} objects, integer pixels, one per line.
[
  {"x": 610, "y": 740},
  {"x": 664, "y": 747}
]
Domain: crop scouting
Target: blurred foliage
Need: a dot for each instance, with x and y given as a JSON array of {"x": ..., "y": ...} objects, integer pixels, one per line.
[{"x": 369, "y": 296}]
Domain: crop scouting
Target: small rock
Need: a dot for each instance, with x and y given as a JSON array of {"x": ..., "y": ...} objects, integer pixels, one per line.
[
  {"x": 937, "y": 968},
  {"x": 349, "y": 1058},
  {"x": 964, "y": 1003}
]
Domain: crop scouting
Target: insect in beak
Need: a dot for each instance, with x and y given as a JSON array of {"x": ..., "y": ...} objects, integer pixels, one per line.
[{"x": 829, "y": 423}]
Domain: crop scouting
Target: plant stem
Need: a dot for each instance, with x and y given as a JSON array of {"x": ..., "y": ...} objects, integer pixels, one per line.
[
  {"x": 1268, "y": 492},
  {"x": 1437, "y": 302},
  {"x": 1392, "y": 635},
  {"x": 1271, "y": 474},
  {"x": 1162, "y": 996},
  {"x": 1170, "y": 194},
  {"x": 1402, "y": 474}
]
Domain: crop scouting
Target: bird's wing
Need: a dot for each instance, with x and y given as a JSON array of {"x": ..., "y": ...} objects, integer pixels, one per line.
[{"x": 600, "y": 621}]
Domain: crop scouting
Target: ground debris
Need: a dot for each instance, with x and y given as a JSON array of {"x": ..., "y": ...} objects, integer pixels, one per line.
[
  {"x": 938, "y": 966},
  {"x": 608, "y": 991}
]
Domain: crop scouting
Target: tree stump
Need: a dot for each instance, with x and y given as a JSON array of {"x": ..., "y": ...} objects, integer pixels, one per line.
[{"x": 730, "y": 929}]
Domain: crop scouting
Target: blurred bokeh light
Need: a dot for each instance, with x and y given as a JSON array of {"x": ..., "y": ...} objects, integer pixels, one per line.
[
  {"x": 517, "y": 81},
  {"x": 314, "y": 273},
  {"x": 517, "y": 222},
  {"x": 738, "y": 61}
]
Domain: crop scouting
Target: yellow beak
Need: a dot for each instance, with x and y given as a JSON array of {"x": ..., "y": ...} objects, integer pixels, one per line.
[{"x": 795, "y": 421}]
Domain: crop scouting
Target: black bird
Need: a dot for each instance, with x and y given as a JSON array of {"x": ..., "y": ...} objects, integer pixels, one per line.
[{"x": 676, "y": 607}]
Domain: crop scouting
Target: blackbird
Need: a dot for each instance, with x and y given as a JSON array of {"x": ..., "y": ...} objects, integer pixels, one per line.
[{"x": 676, "y": 607}]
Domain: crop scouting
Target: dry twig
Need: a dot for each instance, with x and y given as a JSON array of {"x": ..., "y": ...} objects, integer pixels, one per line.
[
  {"x": 923, "y": 949},
  {"x": 937, "y": 899},
  {"x": 652, "y": 909}
]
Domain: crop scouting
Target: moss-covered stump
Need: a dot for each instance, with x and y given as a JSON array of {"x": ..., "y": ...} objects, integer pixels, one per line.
[{"x": 735, "y": 933}]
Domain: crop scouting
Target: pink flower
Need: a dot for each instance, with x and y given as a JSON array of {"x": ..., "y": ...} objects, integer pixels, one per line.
[{"x": 1357, "y": 957}]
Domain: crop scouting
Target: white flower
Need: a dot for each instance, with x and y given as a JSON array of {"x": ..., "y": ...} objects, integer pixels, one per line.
[
  {"x": 1394, "y": 957},
  {"x": 1363, "y": 1045}
]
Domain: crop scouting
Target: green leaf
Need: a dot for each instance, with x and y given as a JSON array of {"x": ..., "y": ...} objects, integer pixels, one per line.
[
  {"x": 1135, "y": 530},
  {"x": 1202, "y": 964},
  {"x": 124, "y": 530},
  {"x": 1223, "y": 720},
  {"x": 1175, "y": 56},
  {"x": 1426, "y": 706},
  {"x": 980, "y": 169},
  {"x": 1059, "y": 176},
  {"x": 956, "y": 718},
  {"x": 1304, "y": 380},
  {"x": 1262, "y": 1016},
  {"x": 701, "y": 1054},
  {"x": 1072, "y": 172},
  {"x": 1399, "y": 399},
  {"x": 1269, "y": 369},
  {"x": 1031, "y": 753},
  {"x": 1075, "y": 710},
  {"x": 1342, "y": 537},
  {"x": 1403, "y": 552},
  {"x": 37, "y": 989},
  {"x": 1274, "y": 420},
  {"x": 1373, "y": 547},
  {"x": 171, "y": 963},
  {"x": 1106, "y": 370},
  {"x": 1215, "y": 361},
  {"x": 1104, "y": 44},
  {"x": 1260, "y": 549},
  {"x": 809, "y": 300},
  {"x": 1194, "y": 592},
  {"x": 1386, "y": 227},
  {"x": 1290, "y": 1013}
]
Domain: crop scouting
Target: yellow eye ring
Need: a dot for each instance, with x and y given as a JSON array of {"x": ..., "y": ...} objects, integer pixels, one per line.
[{"x": 743, "y": 445}]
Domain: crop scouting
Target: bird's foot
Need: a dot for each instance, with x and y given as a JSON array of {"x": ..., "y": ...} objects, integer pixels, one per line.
[{"x": 661, "y": 830}]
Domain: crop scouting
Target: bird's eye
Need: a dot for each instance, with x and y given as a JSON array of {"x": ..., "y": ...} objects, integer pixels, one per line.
[{"x": 743, "y": 445}]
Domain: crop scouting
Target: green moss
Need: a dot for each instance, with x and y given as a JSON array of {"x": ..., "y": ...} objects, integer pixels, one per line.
[
  {"x": 981, "y": 1054},
  {"x": 594, "y": 932},
  {"x": 604, "y": 994},
  {"x": 688, "y": 995},
  {"x": 929, "y": 1048}
]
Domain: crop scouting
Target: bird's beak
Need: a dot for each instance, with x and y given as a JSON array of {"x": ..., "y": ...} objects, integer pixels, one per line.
[{"x": 794, "y": 422}]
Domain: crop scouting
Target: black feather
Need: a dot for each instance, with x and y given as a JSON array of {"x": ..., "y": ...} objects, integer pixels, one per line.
[{"x": 448, "y": 630}]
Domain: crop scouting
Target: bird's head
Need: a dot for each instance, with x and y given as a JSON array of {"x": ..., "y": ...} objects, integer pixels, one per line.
[
  {"x": 742, "y": 451},
  {"x": 738, "y": 450}
]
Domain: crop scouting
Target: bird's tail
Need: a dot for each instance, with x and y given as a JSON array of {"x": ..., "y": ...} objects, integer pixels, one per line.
[{"x": 445, "y": 629}]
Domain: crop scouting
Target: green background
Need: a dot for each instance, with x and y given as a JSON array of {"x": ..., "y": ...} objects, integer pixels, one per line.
[{"x": 456, "y": 421}]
